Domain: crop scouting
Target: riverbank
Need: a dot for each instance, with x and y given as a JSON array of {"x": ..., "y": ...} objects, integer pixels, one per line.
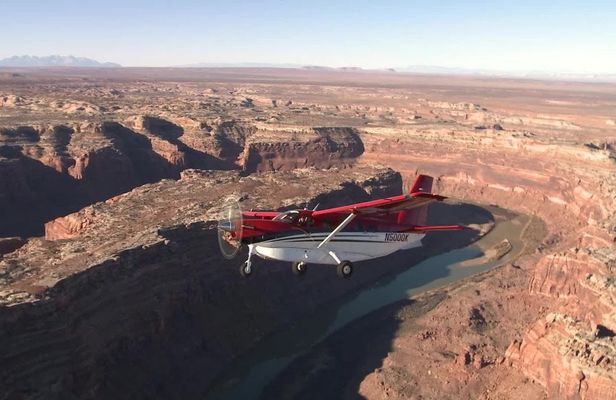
[
  {"x": 276, "y": 356},
  {"x": 431, "y": 344}
]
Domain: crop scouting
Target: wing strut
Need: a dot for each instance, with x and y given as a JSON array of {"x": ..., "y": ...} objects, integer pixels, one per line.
[{"x": 340, "y": 227}]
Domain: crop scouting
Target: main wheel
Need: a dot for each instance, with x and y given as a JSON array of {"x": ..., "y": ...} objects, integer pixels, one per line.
[
  {"x": 344, "y": 269},
  {"x": 246, "y": 269},
  {"x": 299, "y": 267}
]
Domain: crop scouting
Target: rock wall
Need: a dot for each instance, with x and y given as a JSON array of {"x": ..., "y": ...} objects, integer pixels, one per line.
[
  {"x": 63, "y": 168},
  {"x": 53, "y": 170},
  {"x": 572, "y": 188},
  {"x": 259, "y": 157},
  {"x": 559, "y": 352},
  {"x": 116, "y": 310},
  {"x": 320, "y": 147}
]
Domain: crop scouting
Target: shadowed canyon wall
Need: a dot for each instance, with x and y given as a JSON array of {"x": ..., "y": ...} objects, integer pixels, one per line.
[{"x": 49, "y": 171}]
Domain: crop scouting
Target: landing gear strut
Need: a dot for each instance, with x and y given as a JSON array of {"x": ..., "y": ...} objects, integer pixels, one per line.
[
  {"x": 246, "y": 267},
  {"x": 299, "y": 268},
  {"x": 344, "y": 269}
]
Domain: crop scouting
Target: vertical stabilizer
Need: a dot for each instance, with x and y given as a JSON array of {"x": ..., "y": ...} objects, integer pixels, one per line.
[{"x": 423, "y": 184}]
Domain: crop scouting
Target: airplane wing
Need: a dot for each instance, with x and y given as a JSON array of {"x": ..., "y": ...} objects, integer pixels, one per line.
[{"x": 383, "y": 206}]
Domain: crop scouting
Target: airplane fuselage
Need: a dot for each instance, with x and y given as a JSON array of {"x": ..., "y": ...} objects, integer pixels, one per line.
[{"x": 352, "y": 246}]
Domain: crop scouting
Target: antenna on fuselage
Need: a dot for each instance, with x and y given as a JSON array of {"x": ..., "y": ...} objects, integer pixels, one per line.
[{"x": 315, "y": 207}]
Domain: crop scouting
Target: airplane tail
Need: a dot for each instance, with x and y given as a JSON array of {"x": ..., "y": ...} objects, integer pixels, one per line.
[
  {"x": 422, "y": 184},
  {"x": 419, "y": 215}
]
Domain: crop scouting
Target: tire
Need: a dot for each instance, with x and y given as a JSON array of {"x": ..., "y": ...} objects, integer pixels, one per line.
[
  {"x": 299, "y": 268},
  {"x": 345, "y": 269},
  {"x": 245, "y": 269}
]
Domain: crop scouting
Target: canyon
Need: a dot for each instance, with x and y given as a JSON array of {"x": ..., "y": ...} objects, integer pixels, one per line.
[{"x": 111, "y": 284}]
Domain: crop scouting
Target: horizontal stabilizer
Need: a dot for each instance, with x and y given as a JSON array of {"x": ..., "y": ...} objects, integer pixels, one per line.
[{"x": 423, "y": 228}]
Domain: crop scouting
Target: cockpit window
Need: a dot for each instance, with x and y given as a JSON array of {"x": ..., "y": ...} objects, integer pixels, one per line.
[{"x": 289, "y": 217}]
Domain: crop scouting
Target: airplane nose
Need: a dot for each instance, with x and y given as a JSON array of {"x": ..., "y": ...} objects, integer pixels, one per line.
[{"x": 226, "y": 226}]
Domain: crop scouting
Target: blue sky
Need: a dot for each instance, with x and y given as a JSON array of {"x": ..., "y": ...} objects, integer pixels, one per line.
[{"x": 565, "y": 36}]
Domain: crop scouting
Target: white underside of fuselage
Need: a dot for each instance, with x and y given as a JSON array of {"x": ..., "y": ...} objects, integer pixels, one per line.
[{"x": 350, "y": 246}]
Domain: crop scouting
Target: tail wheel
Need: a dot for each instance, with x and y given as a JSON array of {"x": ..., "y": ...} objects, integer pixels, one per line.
[
  {"x": 299, "y": 267},
  {"x": 345, "y": 269},
  {"x": 246, "y": 269}
]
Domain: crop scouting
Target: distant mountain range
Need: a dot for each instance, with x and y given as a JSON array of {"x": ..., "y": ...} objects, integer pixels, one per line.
[
  {"x": 53, "y": 61},
  {"x": 72, "y": 61},
  {"x": 423, "y": 69},
  {"x": 277, "y": 65},
  {"x": 236, "y": 65},
  {"x": 567, "y": 76}
]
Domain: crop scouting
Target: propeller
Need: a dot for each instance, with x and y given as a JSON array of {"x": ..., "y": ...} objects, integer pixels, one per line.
[{"x": 230, "y": 230}]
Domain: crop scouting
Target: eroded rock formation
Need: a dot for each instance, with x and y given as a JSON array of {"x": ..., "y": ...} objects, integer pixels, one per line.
[
  {"x": 572, "y": 273},
  {"x": 98, "y": 308},
  {"x": 48, "y": 171},
  {"x": 318, "y": 147}
]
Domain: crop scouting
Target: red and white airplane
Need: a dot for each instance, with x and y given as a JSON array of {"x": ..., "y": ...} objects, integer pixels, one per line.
[{"x": 337, "y": 236}]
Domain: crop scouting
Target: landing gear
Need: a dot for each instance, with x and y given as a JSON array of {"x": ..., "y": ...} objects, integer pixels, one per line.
[
  {"x": 246, "y": 269},
  {"x": 344, "y": 269},
  {"x": 299, "y": 268}
]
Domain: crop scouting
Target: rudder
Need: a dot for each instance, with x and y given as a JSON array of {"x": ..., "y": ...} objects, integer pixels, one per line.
[{"x": 423, "y": 184}]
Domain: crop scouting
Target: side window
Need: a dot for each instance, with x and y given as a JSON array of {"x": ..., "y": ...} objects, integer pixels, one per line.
[
  {"x": 288, "y": 217},
  {"x": 306, "y": 221}
]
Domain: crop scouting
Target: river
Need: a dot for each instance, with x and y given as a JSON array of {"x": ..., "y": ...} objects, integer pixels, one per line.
[{"x": 247, "y": 377}]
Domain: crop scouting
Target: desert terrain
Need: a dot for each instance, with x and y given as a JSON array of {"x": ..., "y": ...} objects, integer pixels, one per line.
[{"x": 112, "y": 285}]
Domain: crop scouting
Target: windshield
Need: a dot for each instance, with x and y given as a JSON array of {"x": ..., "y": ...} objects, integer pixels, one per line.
[{"x": 288, "y": 217}]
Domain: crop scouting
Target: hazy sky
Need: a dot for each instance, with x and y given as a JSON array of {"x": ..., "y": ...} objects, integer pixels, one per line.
[{"x": 563, "y": 36}]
